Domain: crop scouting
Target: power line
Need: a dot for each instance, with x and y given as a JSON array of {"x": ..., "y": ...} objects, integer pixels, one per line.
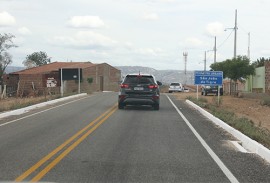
[{"x": 226, "y": 39}]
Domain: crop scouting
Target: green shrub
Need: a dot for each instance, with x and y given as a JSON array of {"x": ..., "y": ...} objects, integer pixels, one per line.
[
  {"x": 217, "y": 101},
  {"x": 244, "y": 125},
  {"x": 265, "y": 101},
  {"x": 90, "y": 80},
  {"x": 202, "y": 102}
]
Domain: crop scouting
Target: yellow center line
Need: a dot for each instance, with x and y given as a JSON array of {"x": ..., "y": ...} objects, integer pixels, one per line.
[
  {"x": 59, "y": 148},
  {"x": 69, "y": 149}
]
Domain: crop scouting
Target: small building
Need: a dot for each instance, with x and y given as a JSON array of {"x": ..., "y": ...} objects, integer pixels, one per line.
[
  {"x": 260, "y": 82},
  {"x": 46, "y": 79}
]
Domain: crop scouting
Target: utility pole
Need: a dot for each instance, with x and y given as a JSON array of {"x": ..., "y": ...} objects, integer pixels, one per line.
[
  {"x": 235, "y": 34},
  {"x": 205, "y": 61},
  {"x": 185, "y": 54},
  {"x": 215, "y": 50},
  {"x": 248, "y": 53}
]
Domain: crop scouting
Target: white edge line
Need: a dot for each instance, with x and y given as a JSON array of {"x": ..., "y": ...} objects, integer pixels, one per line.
[
  {"x": 41, "y": 111},
  {"x": 222, "y": 166},
  {"x": 248, "y": 143}
]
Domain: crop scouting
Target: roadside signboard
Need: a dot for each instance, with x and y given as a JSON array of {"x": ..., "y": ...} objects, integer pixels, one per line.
[
  {"x": 208, "y": 77},
  {"x": 71, "y": 73},
  {"x": 51, "y": 82}
]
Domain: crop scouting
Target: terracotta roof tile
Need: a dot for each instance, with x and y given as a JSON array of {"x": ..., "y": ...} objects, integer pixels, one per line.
[{"x": 55, "y": 66}]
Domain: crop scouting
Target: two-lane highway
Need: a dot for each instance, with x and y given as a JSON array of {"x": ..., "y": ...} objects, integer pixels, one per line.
[{"x": 90, "y": 140}]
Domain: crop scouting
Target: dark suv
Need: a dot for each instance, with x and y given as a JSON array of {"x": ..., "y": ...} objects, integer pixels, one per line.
[
  {"x": 139, "y": 89},
  {"x": 211, "y": 90}
]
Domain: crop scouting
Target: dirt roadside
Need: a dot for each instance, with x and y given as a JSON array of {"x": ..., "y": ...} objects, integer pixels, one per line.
[{"x": 242, "y": 107}]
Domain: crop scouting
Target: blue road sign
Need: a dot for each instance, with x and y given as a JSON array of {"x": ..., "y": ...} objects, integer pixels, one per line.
[{"x": 208, "y": 77}]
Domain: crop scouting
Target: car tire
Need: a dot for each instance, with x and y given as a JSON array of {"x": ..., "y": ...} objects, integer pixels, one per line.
[
  {"x": 120, "y": 106},
  {"x": 204, "y": 93},
  {"x": 156, "y": 107},
  {"x": 170, "y": 91}
]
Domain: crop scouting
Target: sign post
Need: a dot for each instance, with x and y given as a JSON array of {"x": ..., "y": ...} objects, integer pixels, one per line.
[
  {"x": 62, "y": 87},
  {"x": 213, "y": 78},
  {"x": 70, "y": 74}
]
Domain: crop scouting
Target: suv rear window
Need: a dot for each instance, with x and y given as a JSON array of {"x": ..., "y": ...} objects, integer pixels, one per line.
[
  {"x": 139, "y": 79},
  {"x": 175, "y": 84}
]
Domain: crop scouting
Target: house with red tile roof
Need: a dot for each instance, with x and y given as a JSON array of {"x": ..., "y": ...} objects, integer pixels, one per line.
[{"x": 46, "y": 79}]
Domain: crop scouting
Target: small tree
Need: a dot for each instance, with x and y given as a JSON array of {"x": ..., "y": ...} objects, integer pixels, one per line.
[
  {"x": 260, "y": 62},
  {"x": 36, "y": 59},
  {"x": 5, "y": 58},
  {"x": 236, "y": 69}
]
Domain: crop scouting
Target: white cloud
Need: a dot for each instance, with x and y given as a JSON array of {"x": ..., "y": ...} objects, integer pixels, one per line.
[
  {"x": 24, "y": 31},
  {"x": 167, "y": 1},
  {"x": 215, "y": 29},
  {"x": 128, "y": 45},
  {"x": 84, "y": 40},
  {"x": 150, "y": 16},
  {"x": 265, "y": 52},
  {"x": 150, "y": 51},
  {"x": 193, "y": 42},
  {"x": 6, "y": 19},
  {"x": 86, "y": 22}
]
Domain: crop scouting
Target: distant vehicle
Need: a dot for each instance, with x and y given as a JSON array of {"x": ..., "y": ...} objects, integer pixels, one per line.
[
  {"x": 176, "y": 87},
  {"x": 208, "y": 89},
  {"x": 139, "y": 89}
]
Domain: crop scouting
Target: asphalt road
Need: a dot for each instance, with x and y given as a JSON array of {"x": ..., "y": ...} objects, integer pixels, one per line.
[{"x": 90, "y": 140}]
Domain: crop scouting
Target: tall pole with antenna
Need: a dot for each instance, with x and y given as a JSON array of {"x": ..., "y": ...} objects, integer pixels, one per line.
[{"x": 185, "y": 54}]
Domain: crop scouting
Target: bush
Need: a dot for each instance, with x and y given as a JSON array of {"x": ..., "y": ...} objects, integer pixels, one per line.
[
  {"x": 216, "y": 102},
  {"x": 202, "y": 102},
  {"x": 244, "y": 125},
  {"x": 265, "y": 101},
  {"x": 90, "y": 80}
]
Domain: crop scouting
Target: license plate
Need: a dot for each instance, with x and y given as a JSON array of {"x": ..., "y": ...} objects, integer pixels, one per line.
[{"x": 138, "y": 88}]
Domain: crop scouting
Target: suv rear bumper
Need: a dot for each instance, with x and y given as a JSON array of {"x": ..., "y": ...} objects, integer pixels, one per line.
[{"x": 143, "y": 100}]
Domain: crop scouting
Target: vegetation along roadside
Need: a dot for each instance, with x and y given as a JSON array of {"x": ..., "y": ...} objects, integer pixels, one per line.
[{"x": 243, "y": 124}]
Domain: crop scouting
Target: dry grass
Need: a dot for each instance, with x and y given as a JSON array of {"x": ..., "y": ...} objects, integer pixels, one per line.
[
  {"x": 16, "y": 103},
  {"x": 245, "y": 113}
]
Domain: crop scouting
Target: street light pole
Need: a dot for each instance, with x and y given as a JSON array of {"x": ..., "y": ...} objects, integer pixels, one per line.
[
  {"x": 215, "y": 50},
  {"x": 248, "y": 54},
  {"x": 235, "y": 34}
]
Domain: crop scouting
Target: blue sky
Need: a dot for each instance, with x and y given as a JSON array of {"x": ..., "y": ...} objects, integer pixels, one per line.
[{"x": 150, "y": 33}]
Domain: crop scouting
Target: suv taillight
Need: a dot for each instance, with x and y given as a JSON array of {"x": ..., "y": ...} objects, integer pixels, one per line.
[
  {"x": 153, "y": 86},
  {"x": 124, "y": 85}
]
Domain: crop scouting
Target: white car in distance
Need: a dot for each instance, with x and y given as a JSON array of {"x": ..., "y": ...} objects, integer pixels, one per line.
[{"x": 176, "y": 87}]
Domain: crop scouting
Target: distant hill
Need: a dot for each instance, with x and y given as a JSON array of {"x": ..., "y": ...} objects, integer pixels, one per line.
[
  {"x": 165, "y": 76},
  {"x": 10, "y": 69}
]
